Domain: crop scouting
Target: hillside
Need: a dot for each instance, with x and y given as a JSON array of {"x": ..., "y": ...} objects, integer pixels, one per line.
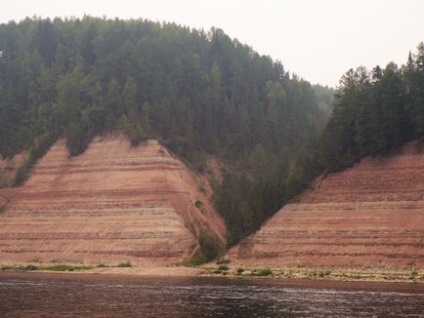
[
  {"x": 368, "y": 215},
  {"x": 112, "y": 204},
  {"x": 200, "y": 93}
]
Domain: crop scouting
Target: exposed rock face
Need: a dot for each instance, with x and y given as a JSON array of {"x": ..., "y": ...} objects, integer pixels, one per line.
[
  {"x": 371, "y": 214},
  {"x": 111, "y": 204}
]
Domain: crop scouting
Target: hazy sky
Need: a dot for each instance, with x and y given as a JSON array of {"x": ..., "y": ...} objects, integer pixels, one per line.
[{"x": 317, "y": 39}]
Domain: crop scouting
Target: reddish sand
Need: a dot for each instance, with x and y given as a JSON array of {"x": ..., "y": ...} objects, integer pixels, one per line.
[
  {"x": 111, "y": 204},
  {"x": 369, "y": 215}
]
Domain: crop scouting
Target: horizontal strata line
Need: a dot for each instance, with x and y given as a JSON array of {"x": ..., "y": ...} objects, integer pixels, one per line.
[
  {"x": 320, "y": 254},
  {"x": 340, "y": 236},
  {"x": 106, "y": 162},
  {"x": 19, "y": 214},
  {"x": 383, "y": 206},
  {"x": 113, "y": 170},
  {"x": 55, "y": 196},
  {"x": 102, "y": 164},
  {"x": 147, "y": 204},
  {"x": 76, "y": 235},
  {"x": 368, "y": 244},
  {"x": 67, "y": 192},
  {"x": 103, "y": 238},
  {"x": 347, "y": 233},
  {"x": 359, "y": 198},
  {"x": 337, "y": 240},
  {"x": 117, "y": 160},
  {"x": 23, "y": 251},
  {"x": 154, "y": 253},
  {"x": 364, "y": 193}
]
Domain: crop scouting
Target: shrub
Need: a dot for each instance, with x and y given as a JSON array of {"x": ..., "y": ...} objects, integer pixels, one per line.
[
  {"x": 264, "y": 272},
  {"x": 30, "y": 267},
  {"x": 22, "y": 174},
  {"x": 66, "y": 268},
  {"x": 124, "y": 264},
  {"x": 223, "y": 268},
  {"x": 210, "y": 249},
  {"x": 414, "y": 274},
  {"x": 239, "y": 271}
]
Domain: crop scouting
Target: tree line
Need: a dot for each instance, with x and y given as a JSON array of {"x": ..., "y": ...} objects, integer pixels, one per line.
[
  {"x": 197, "y": 92},
  {"x": 375, "y": 112}
]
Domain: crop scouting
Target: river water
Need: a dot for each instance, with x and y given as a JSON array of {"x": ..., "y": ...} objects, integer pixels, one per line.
[{"x": 85, "y": 296}]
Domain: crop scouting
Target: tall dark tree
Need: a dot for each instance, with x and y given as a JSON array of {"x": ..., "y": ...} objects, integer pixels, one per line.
[{"x": 375, "y": 112}]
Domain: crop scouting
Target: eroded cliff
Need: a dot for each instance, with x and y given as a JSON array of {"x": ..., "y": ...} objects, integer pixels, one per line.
[
  {"x": 113, "y": 203},
  {"x": 369, "y": 215}
]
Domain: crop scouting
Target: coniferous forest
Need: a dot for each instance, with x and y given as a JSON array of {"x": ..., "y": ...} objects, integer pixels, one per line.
[
  {"x": 198, "y": 92},
  {"x": 375, "y": 112}
]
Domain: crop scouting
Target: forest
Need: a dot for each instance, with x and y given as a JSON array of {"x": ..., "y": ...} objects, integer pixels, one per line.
[
  {"x": 375, "y": 112},
  {"x": 198, "y": 92}
]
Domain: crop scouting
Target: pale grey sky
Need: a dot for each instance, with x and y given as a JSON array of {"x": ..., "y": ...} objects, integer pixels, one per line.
[{"x": 317, "y": 39}]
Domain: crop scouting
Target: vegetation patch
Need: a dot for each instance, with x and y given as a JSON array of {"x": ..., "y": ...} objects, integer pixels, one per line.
[
  {"x": 413, "y": 275},
  {"x": 53, "y": 268},
  {"x": 265, "y": 272},
  {"x": 239, "y": 271},
  {"x": 125, "y": 264},
  {"x": 66, "y": 268}
]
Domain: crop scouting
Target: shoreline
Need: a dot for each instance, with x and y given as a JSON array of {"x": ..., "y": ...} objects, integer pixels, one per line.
[
  {"x": 226, "y": 270},
  {"x": 349, "y": 286}
]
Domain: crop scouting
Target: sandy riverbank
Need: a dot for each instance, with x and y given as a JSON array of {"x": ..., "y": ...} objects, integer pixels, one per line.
[
  {"x": 401, "y": 287},
  {"x": 226, "y": 269}
]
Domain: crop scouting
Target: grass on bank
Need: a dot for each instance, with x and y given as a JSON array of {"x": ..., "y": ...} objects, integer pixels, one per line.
[
  {"x": 61, "y": 267},
  {"x": 321, "y": 273}
]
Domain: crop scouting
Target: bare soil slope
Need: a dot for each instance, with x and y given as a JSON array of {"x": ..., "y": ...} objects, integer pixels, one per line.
[
  {"x": 371, "y": 214},
  {"x": 111, "y": 204}
]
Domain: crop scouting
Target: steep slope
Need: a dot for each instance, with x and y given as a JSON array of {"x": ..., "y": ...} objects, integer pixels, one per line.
[
  {"x": 111, "y": 204},
  {"x": 371, "y": 214},
  {"x": 9, "y": 167}
]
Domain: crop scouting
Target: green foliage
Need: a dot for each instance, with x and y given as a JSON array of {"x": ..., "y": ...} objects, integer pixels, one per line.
[
  {"x": 375, "y": 112},
  {"x": 324, "y": 98},
  {"x": 209, "y": 248},
  {"x": 197, "y": 92},
  {"x": 30, "y": 267},
  {"x": 66, "y": 268},
  {"x": 38, "y": 149},
  {"x": 413, "y": 275},
  {"x": 262, "y": 272},
  {"x": 124, "y": 264},
  {"x": 7, "y": 268},
  {"x": 22, "y": 174},
  {"x": 54, "y": 268}
]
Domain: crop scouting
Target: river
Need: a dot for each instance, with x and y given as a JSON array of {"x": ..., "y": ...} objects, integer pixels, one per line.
[{"x": 80, "y": 295}]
